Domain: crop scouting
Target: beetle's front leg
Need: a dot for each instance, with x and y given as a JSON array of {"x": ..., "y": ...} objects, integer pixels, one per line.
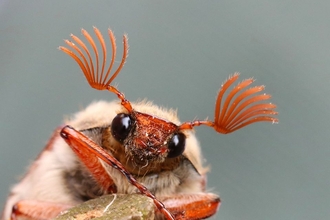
[
  {"x": 192, "y": 206},
  {"x": 32, "y": 209},
  {"x": 91, "y": 162}
]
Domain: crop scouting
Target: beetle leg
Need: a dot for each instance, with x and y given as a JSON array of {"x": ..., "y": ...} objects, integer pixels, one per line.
[
  {"x": 95, "y": 168},
  {"x": 192, "y": 206},
  {"x": 32, "y": 209}
]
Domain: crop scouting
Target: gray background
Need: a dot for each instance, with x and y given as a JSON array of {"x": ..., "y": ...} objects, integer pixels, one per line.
[{"x": 180, "y": 52}]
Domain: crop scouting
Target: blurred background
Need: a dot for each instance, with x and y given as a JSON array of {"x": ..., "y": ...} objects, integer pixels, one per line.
[{"x": 180, "y": 53}]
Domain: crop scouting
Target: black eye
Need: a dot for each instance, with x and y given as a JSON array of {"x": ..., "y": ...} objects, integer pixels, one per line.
[
  {"x": 121, "y": 126},
  {"x": 176, "y": 145}
]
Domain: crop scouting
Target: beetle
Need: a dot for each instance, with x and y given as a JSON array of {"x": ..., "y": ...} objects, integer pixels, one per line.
[{"x": 130, "y": 147}]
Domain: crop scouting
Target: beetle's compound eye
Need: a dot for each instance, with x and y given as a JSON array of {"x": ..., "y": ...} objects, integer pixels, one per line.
[
  {"x": 176, "y": 145},
  {"x": 121, "y": 126}
]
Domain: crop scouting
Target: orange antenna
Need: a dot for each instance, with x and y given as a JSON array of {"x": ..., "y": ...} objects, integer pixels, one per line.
[
  {"x": 236, "y": 113},
  {"x": 98, "y": 78}
]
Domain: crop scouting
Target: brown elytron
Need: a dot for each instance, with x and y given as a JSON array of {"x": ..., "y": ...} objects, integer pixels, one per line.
[{"x": 243, "y": 106}]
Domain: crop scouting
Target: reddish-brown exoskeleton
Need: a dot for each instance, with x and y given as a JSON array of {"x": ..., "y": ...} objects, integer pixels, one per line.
[{"x": 126, "y": 147}]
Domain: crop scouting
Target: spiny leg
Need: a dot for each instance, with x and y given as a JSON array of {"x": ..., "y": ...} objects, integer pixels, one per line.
[
  {"x": 33, "y": 209},
  {"x": 192, "y": 206}
]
